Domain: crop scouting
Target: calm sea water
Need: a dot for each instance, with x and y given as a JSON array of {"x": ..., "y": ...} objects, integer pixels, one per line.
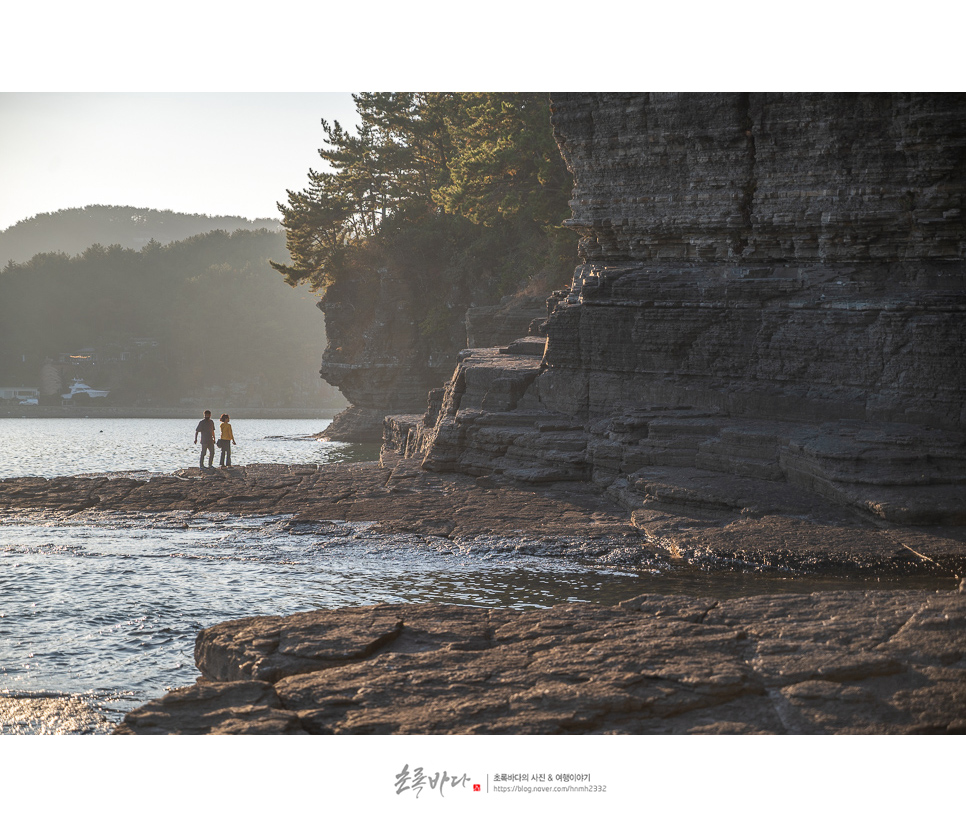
[
  {"x": 67, "y": 446},
  {"x": 99, "y": 611}
]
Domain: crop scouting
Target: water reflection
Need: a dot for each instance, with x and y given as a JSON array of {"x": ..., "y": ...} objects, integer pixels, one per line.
[
  {"x": 105, "y": 608},
  {"x": 50, "y": 447}
]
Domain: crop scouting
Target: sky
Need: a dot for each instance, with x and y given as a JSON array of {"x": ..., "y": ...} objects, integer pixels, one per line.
[
  {"x": 200, "y": 153},
  {"x": 158, "y": 142}
]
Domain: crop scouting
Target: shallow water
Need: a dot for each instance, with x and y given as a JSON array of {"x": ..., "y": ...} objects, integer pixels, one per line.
[
  {"x": 49, "y": 447},
  {"x": 99, "y": 611}
]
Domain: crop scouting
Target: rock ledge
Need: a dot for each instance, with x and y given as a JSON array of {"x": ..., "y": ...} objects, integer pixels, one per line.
[{"x": 830, "y": 662}]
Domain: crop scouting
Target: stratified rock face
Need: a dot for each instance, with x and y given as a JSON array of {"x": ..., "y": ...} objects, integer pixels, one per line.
[
  {"x": 773, "y": 287},
  {"x": 767, "y": 255},
  {"x": 384, "y": 353},
  {"x": 765, "y": 178},
  {"x": 377, "y": 356}
]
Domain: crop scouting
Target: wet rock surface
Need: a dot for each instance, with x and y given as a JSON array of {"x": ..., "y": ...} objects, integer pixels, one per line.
[
  {"x": 732, "y": 521},
  {"x": 828, "y": 662},
  {"x": 398, "y": 499},
  {"x": 832, "y": 662}
]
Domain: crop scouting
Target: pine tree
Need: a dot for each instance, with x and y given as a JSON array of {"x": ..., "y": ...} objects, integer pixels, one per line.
[{"x": 416, "y": 158}]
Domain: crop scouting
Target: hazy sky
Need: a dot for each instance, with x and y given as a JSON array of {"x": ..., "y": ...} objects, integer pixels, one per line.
[
  {"x": 238, "y": 152},
  {"x": 206, "y": 153}
]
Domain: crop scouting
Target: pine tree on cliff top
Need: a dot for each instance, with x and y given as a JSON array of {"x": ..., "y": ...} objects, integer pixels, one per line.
[{"x": 416, "y": 158}]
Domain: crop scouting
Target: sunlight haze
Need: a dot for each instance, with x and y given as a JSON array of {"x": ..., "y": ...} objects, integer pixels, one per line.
[{"x": 204, "y": 153}]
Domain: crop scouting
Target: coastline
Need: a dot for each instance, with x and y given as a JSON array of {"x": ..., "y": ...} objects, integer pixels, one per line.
[
  {"x": 851, "y": 661},
  {"x": 398, "y": 496},
  {"x": 180, "y": 413},
  {"x": 792, "y": 664}
]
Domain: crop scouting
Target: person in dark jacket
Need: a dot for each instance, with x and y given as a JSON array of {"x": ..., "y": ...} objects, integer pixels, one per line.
[{"x": 206, "y": 428}]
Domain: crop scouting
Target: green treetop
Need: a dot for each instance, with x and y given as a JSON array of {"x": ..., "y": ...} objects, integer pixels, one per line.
[{"x": 416, "y": 158}]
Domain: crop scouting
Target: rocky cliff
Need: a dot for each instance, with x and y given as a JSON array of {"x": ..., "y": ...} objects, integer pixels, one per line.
[
  {"x": 768, "y": 254},
  {"x": 385, "y": 352},
  {"x": 761, "y": 357},
  {"x": 769, "y": 311},
  {"x": 376, "y": 355}
]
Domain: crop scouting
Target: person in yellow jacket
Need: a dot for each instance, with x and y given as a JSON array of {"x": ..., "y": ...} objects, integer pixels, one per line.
[{"x": 227, "y": 438}]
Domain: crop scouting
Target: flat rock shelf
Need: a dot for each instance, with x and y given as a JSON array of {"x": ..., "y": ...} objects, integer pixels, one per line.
[
  {"x": 832, "y": 662},
  {"x": 398, "y": 496}
]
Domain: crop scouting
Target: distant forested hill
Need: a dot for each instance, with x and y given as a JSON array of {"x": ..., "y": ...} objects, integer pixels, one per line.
[
  {"x": 201, "y": 320},
  {"x": 71, "y": 231}
]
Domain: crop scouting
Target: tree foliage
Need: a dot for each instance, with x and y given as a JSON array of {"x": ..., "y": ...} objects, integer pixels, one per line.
[
  {"x": 458, "y": 173},
  {"x": 507, "y": 164}
]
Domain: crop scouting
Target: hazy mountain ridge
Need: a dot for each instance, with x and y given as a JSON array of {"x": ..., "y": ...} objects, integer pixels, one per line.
[
  {"x": 200, "y": 319},
  {"x": 73, "y": 230}
]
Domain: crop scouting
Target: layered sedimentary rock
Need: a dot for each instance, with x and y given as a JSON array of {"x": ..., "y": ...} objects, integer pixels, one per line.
[
  {"x": 765, "y": 178},
  {"x": 771, "y": 299},
  {"x": 768, "y": 254},
  {"x": 854, "y": 662},
  {"x": 760, "y": 358},
  {"x": 376, "y": 355},
  {"x": 391, "y": 338},
  {"x": 499, "y": 324},
  {"x": 690, "y": 516}
]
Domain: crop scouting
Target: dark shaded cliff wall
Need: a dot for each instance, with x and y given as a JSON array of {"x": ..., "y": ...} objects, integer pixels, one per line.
[
  {"x": 795, "y": 255},
  {"x": 764, "y": 178},
  {"x": 385, "y": 354},
  {"x": 377, "y": 355},
  {"x": 771, "y": 286}
]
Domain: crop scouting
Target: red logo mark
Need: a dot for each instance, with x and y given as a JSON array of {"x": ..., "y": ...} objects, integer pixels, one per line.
[{"x": 476, "y": 787}]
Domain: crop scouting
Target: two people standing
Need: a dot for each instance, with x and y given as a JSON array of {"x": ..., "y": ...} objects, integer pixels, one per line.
[{"x": 206, "y": 430}]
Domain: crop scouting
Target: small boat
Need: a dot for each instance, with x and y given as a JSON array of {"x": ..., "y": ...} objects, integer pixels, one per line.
[{"x": 79, "y": 387}]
